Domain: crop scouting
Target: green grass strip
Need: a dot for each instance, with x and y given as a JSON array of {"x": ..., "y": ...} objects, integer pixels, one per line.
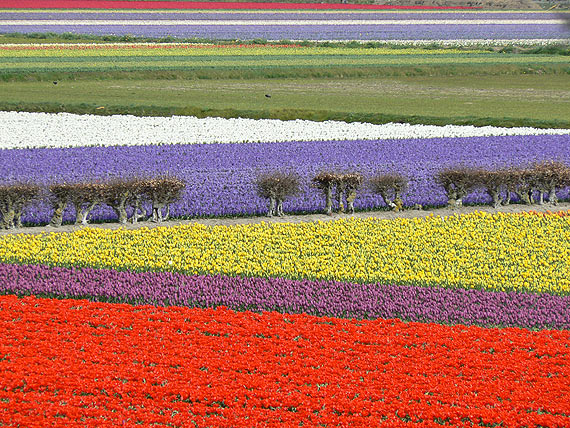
[
  {"x": 282, "y": 114},
  {"x": 329, "y": 71}
]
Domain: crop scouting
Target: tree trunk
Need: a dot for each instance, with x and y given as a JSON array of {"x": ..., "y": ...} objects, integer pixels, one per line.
[
  {"x": 328, "y": 194},
  {"x": 18, "y": 216},
  {"x": 120, "y": 207},
  {"x": 78, "y": 213},
  {"x": 398, "y": 203},
  {"x": 57, "y": 218},
  {"x": 7, "y": 216},
  {"x": 387, "y": 199},
  {"x": 552, "y": 198},
  {"x": 271, "y": 211},
  {"x": 495, "y": 196},
  {"x": 523, "y": 196},
  {"x": 339, "y": 195},
  {"x": 280, "y": 207},
  {"x": 530, "y": 196},
  {"x": 350, "y": 197},
  {"x": 540, "y": 198},
  {"x": 138, "y": 208},
  {"x": 507, "y": 199},
  {"x": 460, "y": 193},
  {"x": 86, "y": 212},
  {"x": 81, "y": 212},
  {"x": 157, "y": 212},
  {"x": 451, "y": 196},
  {"x": 121, "y": 211},
  {"x": 8, "y": 222}
]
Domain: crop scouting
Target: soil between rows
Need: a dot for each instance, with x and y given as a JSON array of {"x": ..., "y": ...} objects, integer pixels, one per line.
[{"x": 232, "y": 221}]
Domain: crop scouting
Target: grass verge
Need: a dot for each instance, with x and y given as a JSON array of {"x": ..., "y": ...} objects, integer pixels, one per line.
[{"x": 286, "y": 114}]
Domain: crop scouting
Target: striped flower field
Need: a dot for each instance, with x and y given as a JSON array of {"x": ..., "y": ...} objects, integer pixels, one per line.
[
  {"x": 233, "y": 25},
  {"x": 162, "y": 356},
  {"x": 400, "y": 319},
  {"x": 102, "y": 364},
  {"x": 460, "y": 321},
  {"x": 221, "y": 175},
  {"x": 278, "y": 21}
]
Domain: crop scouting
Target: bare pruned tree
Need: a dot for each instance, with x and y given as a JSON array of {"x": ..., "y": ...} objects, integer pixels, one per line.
[
  {"x": 521, "y": 181},
  {"x": 326, "y": 181},
  {"x": 161, "y": 192},
  {"x": 59, "y": 195},
  {"x": 121, "y": 194},
  {"x": 457, "y": 182},
  {"x": 85, "y": 196},
  {"x": 390, "y": 187},
  {"x": 347, "y": 185},
  {"x": 13, "y": 199},
  {"x": 277, "y": 186},
  {"x": 548, "y": 178},
  {"x": 495, "y": 183}
]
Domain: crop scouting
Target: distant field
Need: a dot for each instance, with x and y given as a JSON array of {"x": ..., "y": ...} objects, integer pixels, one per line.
[
  {"x": 464, "y": 76},
  {"x": 530, "y": 97},
  {"x": 246, "y": 25}
]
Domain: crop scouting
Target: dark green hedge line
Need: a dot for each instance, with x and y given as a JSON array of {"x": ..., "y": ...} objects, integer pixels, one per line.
[
  {"x": 282, "y": 114},
  {"x": 291, "y": 72}
]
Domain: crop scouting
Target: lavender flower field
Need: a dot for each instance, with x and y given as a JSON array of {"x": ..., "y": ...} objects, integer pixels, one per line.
[{"x": 221, "y": 177}]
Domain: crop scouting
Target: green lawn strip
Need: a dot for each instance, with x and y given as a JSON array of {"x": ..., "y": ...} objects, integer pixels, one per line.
[
  {"x": 315, "y": 115},
  {"x": 526, "y": 99},
  {"x": 256, "y": 59},
  {"x": 329, "y": 71}
]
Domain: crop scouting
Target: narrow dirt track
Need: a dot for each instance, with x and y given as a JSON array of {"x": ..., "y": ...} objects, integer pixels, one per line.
[{"x": 232, "y": 221}]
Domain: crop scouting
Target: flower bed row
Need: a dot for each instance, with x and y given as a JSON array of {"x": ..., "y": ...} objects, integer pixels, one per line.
[
  {"x": 319, "y": 298},
  {"x": 479, "y": 15},
  {"x": 211, "y": 50},
  {"x": 495, "y": 252},
  {"x": 221, "y": 177},
  {"x": 37, "y": 130},
  {"x": 129, "y": 197},
  {"x": 313, "y": 32},
  {"x": 101, "y": 364},
  {"x": 341, "y": 25}
]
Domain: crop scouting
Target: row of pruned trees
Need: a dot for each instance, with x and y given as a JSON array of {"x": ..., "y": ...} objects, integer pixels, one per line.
[
  {"x": 122, "y": 195},
  {"x": 534, "y": 183},
  {"x": 338, "y": 188}
]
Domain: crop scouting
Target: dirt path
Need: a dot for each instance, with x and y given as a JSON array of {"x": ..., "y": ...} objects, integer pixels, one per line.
[{"x": 230, "y": 221}]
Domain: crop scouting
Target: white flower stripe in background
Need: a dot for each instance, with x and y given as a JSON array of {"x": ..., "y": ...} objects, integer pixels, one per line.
[
  {"x": 269, "y": 22},
  {"x": 27, "y": 130},
  {"x": 447, "y": 43}
]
